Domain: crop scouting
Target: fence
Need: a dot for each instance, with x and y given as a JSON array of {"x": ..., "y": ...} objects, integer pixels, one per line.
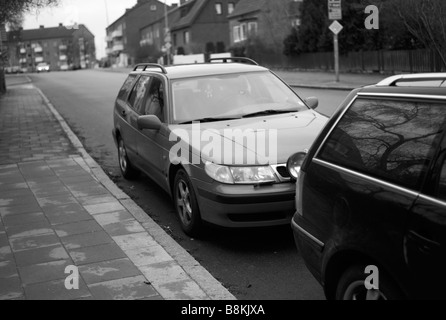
[{"x": 402, "y": 61}]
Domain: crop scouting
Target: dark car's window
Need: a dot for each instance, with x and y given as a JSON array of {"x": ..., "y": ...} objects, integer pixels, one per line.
[
  {"x": 138, "y": 93},
  {"x": 440, "y": 191},
  {"x": 154, "y": 103},
  {"x": 391, "y": 140},
  {"x": 126, "y": 87}
]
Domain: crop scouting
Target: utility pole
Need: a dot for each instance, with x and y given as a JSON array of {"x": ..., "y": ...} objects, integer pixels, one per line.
[
  {"x": 335, "y": 13},
  {"x": 167, "y": 40}
]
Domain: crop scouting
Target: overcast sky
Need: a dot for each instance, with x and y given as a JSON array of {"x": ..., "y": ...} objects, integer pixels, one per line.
[{"x": 91, "y": 13}]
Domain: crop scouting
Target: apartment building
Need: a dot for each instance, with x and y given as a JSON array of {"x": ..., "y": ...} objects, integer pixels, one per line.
[
  {"x": 63, "y": 48},
  {"x": 123, "y": 36}
]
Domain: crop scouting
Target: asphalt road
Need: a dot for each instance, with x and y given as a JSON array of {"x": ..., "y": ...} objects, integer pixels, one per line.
[{"x": 259, "y": 264}]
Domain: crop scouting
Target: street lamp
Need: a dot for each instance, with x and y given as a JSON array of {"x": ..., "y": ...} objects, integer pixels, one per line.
[{"x": 167, "y": 33}]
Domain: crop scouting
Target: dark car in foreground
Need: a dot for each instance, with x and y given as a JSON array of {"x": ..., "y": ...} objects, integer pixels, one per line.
[
  {"x": 216, "y": 137},
  {"x": 371, "y": 193}
]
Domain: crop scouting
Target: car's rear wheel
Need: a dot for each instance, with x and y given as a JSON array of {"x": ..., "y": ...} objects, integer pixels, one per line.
[
  {"x": 351, "y": 286},
  {"x": 127, "y": 170},
  {"x": 186, "y": 204}
]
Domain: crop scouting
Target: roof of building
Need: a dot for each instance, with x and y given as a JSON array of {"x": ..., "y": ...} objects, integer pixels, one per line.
[
  {"x": 43, "y": 33},
  {"x": 247, "y": 6},
  {"x": 195, "y": 7}
]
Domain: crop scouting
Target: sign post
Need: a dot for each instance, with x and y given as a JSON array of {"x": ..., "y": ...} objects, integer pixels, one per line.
[{"x": 335, "y": 13}]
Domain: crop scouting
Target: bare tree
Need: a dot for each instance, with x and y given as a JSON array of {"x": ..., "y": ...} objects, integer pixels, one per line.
[{"x": 426, "y": 21}]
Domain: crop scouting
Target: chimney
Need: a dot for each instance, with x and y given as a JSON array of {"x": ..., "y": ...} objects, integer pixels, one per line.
[
  {"x": 182, "y": 2},
  {"x": 42, "y": 26},
  {"x": 60, "y": 25}
]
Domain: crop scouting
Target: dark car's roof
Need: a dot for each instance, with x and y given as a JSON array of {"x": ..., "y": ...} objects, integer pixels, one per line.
[
  {"x": 205, "y": 69},
  {"x": 423, "y": 85},
  {"x": 405, "y": 91}
]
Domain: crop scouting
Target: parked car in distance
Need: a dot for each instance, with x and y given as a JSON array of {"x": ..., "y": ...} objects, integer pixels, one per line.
[
  {"x": 43, "y": 67},
  {"x": 160, "y": 108},
  {"x": 371, "y": 193},
  {"x": 12, "y": 70}
]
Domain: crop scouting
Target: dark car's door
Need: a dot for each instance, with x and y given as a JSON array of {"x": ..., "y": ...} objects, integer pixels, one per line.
[
  {"x": 153, "y": 144},
  {"x": 129, "y": 113},
  {"x": 370, "y": 173},
  {"x": 425, "y": 243}
]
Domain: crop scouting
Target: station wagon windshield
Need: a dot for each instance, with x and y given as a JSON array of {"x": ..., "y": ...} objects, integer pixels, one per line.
[{"x": 232, "y": 96}]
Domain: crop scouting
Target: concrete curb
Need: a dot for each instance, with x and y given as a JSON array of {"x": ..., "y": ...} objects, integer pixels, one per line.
[{"x": 196, "y": 272}]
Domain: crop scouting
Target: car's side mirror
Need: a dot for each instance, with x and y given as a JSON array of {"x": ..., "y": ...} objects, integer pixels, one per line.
[
  {"x": 149, "y": 122},
  {"x": 312, "y": 102}
]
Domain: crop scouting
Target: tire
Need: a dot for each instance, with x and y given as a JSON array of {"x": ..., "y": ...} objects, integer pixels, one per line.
[
  {"x": 186, "y": 205},
  {"x": 351, "y": 286},
  {"x": 128, "y": 171}
]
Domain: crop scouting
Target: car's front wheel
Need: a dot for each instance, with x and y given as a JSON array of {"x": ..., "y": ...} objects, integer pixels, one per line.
[
  {"x": 352, "y": 286},
  {"x": 127, "y": 170},
  {"x": 186, "y": 204}
]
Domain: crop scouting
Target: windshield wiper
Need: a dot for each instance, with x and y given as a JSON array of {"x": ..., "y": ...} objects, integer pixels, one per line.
[
  {"x": 268, "y": 112},
  {"x": 211, "y": 120}
]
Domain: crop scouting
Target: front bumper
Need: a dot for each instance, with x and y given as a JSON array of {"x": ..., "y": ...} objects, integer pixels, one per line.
[{"x": 246, "y": 205}]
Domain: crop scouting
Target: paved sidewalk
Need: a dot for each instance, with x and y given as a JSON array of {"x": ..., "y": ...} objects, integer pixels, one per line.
[{"x": 58, "y": 209}]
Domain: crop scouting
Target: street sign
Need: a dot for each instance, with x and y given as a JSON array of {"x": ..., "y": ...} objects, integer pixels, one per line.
[
  {"x": 336, "y": 27},
  {"x": 334, "y": 10}
]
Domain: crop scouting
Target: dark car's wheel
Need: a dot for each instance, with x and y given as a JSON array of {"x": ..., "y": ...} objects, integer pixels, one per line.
[
  {"x": 128, "y": 171},
  {"x": 351, "y": 286},
  {"x": 186, "y": 204}
]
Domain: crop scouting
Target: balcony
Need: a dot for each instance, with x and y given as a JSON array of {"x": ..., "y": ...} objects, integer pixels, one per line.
[
  {"x": 63, "y": 57},
  {"x": 39, "y": 59},
  {"x": 108, "y": 51},
  {"x": 23, "y": 61},
  {"x": 118, "y": 47},
  {"x": 38, "y": 50},
  {"x": 108, "y": 38},
  {"x": 22, "y": 51},
  {"x": 63, "y": 47},
  {"x": 116, "y": 34}
]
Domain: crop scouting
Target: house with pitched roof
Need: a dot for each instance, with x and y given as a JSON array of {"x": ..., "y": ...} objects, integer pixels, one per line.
[
  {"x": 270, "y": 21},
  {"x": 202, "y": 26},
  {"x": 62, "y": 47}
]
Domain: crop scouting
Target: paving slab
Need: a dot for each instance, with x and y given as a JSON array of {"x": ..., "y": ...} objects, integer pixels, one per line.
[
  {"x": 108, "y": 270},
  {"x": 99, "y": 253},
  {"x": 77, "y": 228},
  {"x": 41, "y": 255},
  {"x": 134, "y": 288},
  {"x": 56, "y": 290},
  {"x": 86, "y": 240},
  {"x": 44, "y": 272}
]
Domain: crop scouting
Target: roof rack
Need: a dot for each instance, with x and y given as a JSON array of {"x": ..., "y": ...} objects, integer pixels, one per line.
[
  {"x": 417, "y": 77},
  {"x": 235, "y": 59},
  {"x": 144, "y": 67}
]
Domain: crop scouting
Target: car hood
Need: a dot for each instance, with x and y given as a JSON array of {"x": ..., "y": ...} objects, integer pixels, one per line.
[{"x": 230, "y": 142}]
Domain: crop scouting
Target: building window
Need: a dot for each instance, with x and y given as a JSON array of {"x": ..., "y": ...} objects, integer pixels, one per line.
[
  {"x": 218, "y": 8},
  {"x": 153, "y": 7},
  {"x": 252, "y": 28},
  {"x": 186, "y": 37},
  {"x": 237, "y": 34},
  {"x": 243, "y": 32},
  {"x": 231, "y": 7}
]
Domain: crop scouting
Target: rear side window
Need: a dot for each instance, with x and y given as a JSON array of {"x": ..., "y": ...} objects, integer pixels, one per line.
[
  {"x": 390, "y": 140},
  {"x": 126, "y": 87},
  {"x": 139, "y": 92}
]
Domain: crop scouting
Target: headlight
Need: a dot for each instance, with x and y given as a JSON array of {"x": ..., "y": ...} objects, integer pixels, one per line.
[
  {"x": 247, "y": 175},
  {"x": 219, "y": 173},
  {"x": 240, "y": 175},
  {"x": 295, "y": 163}
]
